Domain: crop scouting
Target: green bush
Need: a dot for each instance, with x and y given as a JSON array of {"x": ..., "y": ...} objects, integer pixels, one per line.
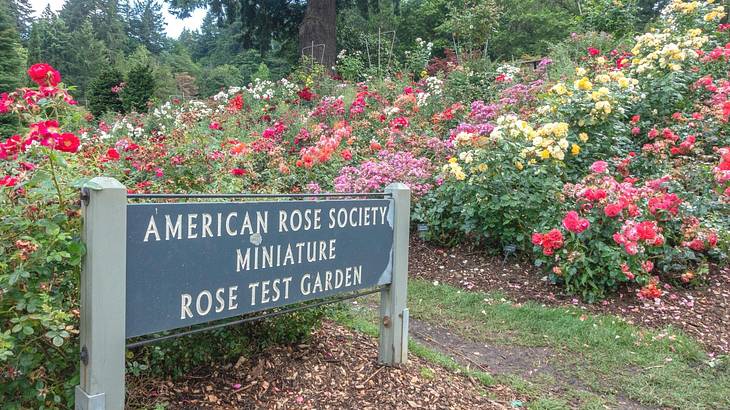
[
  {"x": 139, "y": 89},
  {"x": 104, "y": 92}
]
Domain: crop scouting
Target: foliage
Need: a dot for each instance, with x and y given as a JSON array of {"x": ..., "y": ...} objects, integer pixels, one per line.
[
  {"x": 619, "y": 18},
  {"x": 139, "y": 88},
  {"x": 104, "y": 92},
  {"x": 219, "y": 78}
]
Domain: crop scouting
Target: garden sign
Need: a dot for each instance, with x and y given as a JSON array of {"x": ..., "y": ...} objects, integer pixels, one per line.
[{"x": 157, "y": 267}]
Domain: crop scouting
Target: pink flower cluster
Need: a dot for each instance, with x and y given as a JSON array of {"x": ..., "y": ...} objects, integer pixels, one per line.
[
  {"x": 323, "y": 149},
  {"x": 375, "y": 175},
  {"x": 329, "y": 107},
  {"x": 633, "y": 233}
]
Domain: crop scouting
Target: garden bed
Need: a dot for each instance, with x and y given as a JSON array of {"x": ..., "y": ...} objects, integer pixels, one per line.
[
  {"x": 702, "y": 312},
  {"x": 337, "y": 368}
]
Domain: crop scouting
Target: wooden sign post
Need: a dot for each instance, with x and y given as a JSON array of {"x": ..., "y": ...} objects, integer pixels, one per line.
[{"x": 156, "y": 267}]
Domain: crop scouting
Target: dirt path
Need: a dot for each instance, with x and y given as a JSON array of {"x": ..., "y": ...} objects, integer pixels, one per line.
[{"x": 526, "y": 362}]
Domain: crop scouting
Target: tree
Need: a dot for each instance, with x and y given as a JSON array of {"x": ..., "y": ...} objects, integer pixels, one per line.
[
  {"x": 50, "y": 42},
  {"x": 319, "y": 31},
  {"x": 103, "y": 94},
  {"x": 105, "y": 20},
  {"x": 471, "y": 22},
  {"x": 139, "y": 88},
  {"x": 11, "y": 62},
  {"x": 77, "y": 54},
  {"x": 86, "y": 58},
  {"x": 212, "y": 81},
  {"x": 249, "y": 24},
  {"x": 147, "y": 26},
  {"x": 22, "y": 12}
]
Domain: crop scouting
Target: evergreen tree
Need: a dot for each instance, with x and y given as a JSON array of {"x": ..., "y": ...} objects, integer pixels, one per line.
[
  {"x": 22, "y": 12},
  {"x": 87, "y": 57},
  {"x": 11, "y": 63},
  {"x": 139, "y": 89},
  {"x": 107, "y": 23},
  {"x": 103, "y": 94},
  {"x": 147, "y": 26},
  {"x": 49, "y": 42}
]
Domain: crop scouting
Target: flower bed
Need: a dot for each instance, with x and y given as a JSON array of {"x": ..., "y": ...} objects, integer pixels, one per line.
[{"x": 616, "y": 176}]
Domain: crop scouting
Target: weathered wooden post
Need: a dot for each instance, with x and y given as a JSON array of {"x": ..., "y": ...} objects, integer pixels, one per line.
[
  {"x": 393, "y": 343},
  {"x": 103, "y": 296}
]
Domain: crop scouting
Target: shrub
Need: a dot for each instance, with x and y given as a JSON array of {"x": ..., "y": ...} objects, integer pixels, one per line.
[
  {"x": 622, "y": 231},
  {"x": 104, "y": 92},
  {"x": 139, "y": 89}
]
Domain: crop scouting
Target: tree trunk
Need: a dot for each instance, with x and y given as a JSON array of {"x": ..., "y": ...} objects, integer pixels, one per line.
[{"x": 318, "y": 28}]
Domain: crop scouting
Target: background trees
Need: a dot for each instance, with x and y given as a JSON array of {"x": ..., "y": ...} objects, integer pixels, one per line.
[{"x": 237, "y": 36}]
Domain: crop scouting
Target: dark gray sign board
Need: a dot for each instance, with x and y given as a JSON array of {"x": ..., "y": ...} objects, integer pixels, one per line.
[
  {"x": 190, "y": 263},
  {"x": 152, "y": 267}
]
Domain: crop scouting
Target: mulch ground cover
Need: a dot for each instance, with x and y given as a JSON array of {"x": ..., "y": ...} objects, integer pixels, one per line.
[
  {"x": 336, "y": 369},
  {"x": 703, "y": 312}
]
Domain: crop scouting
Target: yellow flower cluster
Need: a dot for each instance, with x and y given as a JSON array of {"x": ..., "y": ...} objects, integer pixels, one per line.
[
  {"x": 453, "y": 168},
  {"x": 510, "y": 126},
  {"x": 711, "y": 14},
  {"x": 551, "y": 142},
  {"x": 665, "y": 50}
]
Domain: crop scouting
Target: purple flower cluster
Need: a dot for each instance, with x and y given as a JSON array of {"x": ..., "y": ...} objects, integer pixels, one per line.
[
  {"x": 481, "y": 112},
  {"x": 390, "y": 167},
  {"x": 519, "y": 94}
]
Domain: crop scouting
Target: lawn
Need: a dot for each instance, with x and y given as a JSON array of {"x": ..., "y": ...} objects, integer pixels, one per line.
[{"x": 597, "y": 359}]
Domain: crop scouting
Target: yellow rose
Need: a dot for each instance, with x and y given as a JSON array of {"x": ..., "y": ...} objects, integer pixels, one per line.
[
  {"x": 583, "y": 136},
  {"x": 575, "y": 150},
  {"x": 559, "y": 89},
  {"x": 544, "y": 154},
  {"x": 604, "y": 106},
  {"x": 519, "y": 165},
  {"x": 583, "y": 84}
]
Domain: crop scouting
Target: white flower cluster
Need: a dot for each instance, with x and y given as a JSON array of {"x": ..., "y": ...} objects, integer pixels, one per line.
[
  {"x": 508, "y": 70},
  {"x": 261, "y": 89},
  {"x": 434, "y": 85}
]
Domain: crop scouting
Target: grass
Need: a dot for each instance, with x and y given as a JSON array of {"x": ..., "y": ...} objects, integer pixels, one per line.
[{"x": 603, "y": 353}]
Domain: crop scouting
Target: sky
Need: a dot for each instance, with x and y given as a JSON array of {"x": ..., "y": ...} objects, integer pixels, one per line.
[{"x": 174, "y": 25}]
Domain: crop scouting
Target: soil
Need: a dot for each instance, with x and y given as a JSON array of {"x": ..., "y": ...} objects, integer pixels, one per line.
[
  {"x": 703, "y": 312},
  {"x": 336, "y": 369}
]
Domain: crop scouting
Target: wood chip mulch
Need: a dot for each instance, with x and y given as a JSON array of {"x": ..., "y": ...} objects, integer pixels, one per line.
[
  {"x": 336, "y": 369},
  {"x": 702, "y": 312}
]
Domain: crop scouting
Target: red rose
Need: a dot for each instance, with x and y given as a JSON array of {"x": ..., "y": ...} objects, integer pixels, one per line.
[
  {"x": 8, "y": 181},
  {"x": 238, "y": 172},
  {"x": 612, "y": 210},
  {"x": 346, "y": 155},
  {"x": 646, "y": 230},
  {"x": 306, "y": 94},
  {"x": 44, "y": 75},
  {"x": 111, "y": 153},
  {"x": 575, "y": 223},
  {"x": 593, "y": 51},
  {"x": 67, "y": 142}
]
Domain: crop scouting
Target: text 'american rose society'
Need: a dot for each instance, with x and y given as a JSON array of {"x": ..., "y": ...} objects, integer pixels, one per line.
[{"x": 255, "y": 255}]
